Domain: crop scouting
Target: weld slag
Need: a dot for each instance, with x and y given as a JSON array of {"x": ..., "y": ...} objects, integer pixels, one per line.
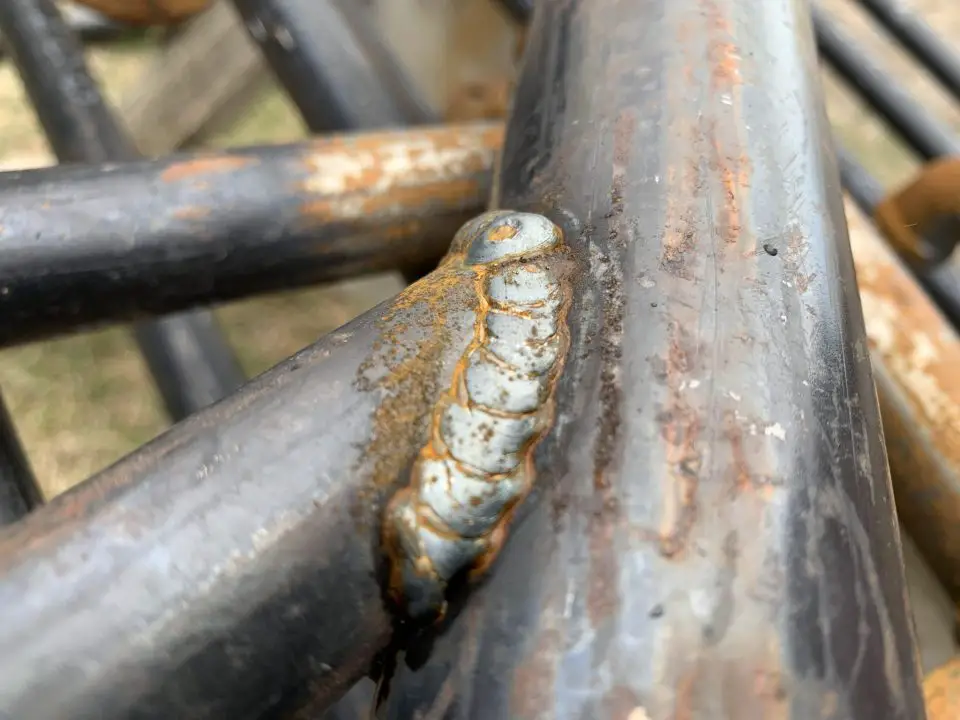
[{"x": 478, "y": 463}]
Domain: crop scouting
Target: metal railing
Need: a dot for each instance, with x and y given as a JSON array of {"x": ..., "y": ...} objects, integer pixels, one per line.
[{"x": 695, "y": 515}]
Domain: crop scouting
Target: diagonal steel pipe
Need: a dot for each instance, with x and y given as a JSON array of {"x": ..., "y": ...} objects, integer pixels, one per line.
[
  {"x": 188, "y": 357},
  {"x": 88, "y": 244},
  {"x": 712, "y": 534}
]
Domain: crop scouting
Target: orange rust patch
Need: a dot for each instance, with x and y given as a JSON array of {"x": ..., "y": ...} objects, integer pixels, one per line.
[
  {"x": 200, "y": 166},
  {"x": 941, "y": 692},
  {"x": 503, "y": 232},
  {"x": 680, "y": 429},
  {"x": 410, "y": 386},
  {"x": 191, "y": 213}
]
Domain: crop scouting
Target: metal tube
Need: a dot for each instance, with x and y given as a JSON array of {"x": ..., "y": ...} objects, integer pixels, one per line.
[
  {"x": 339, "y": 73},
  {"x": 713, "y": 533},
  {"x": 328, "y": 58},
  {"x": 891, "y": 101},
  {"x": 87, "y": 244},
  {"x": 919, "y": 39},
  {"x": 231, "y": 568},
  {"x": 19, "y": 491},
  {"x": 191, "y": 361}
]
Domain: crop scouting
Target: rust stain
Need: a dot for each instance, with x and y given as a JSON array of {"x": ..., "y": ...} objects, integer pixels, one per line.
[
  {"x": 411, "y": 384},
  {"x": 382, "y": 162},
  {"x": 680, "y": 427},
  {"x": 603, "y": 595},
  {"x": 466, "y": 193},
  {"x": 532, "y": 692},
  {"x": 941, "y": 692},
  {"x": 191, "y": 213},
  {"x": 622, "y": 703},
  {"x": 205, "y": 165}
]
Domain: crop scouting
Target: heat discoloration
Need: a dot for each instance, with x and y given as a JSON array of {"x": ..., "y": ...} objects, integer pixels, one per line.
[{"x": 478, "y": 462}]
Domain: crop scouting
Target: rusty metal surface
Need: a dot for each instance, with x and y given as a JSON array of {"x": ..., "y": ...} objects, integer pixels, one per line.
[
  {"x": 941, "y": 690},
  {"x": 90, "y": 244},
  {"x": 916, "y": 354},
  {"x": 232, "y": 567},
  {"x": 712, "y": 531}
]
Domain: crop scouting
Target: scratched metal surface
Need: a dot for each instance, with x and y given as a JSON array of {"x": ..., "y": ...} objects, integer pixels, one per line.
[
  {"x": 230, "y": 568},
  {"x": 89, "y": 244},
  {"x": 713, "y": 533}
]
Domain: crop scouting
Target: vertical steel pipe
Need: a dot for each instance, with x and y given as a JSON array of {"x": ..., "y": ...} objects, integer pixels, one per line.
[
  {"x": 190, "y": 360},
  {"x": 713, "y": 531},
  {"x": 19, "y": 491}
]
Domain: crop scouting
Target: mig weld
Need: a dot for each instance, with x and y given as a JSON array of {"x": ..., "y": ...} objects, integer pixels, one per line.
[{"x": 477, "y": 465}]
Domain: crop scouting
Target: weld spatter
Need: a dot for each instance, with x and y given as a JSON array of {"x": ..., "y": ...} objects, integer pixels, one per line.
[{"x": 478, "y": 462}]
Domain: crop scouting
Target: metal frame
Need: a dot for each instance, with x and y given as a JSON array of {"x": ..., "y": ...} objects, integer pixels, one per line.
[{"x": 711, "y": 530}]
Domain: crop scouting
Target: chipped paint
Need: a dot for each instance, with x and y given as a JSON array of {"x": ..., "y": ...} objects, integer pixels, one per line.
[{"x": 478, "y": 462}]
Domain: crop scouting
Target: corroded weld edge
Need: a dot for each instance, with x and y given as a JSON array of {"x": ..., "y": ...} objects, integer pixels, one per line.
[{"x": 429, "y": 534}]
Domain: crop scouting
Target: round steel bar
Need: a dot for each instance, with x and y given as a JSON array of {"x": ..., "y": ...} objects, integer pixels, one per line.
[
  {"x": 888, "y": 98},
  {"x": 712, "y": 534},
  {"x": 922, "y": 41},
  {"x": 81, "y": 245},
  {"x": 189, "y": 358},
  {"x": 328, "y": 58},
  {"x": 231, "y": 568}
]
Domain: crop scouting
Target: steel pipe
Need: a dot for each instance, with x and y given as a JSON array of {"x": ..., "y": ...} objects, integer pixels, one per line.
[
  {"x": 891, "y": 101},
  {"x": 338, "y": 71},
  {"x": 87, "y": 244},
  {"x": 328, "y": 58},
  {"x": 19, "y": 490},
  {"x": 231, "y": 568},
  {"x": 712, "y": 534},
  {"x": 919, "y": 39},
  {"x": 189, "y": 359}
]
